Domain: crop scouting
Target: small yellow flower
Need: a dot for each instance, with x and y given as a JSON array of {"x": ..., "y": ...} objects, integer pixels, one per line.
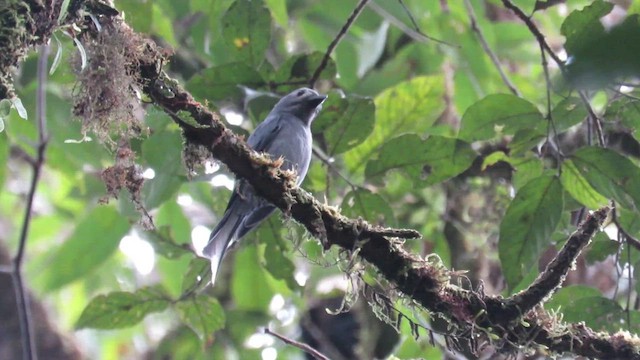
[{"x": 241, "y": 42}]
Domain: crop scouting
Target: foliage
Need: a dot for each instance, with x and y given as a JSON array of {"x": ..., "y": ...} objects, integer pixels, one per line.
[{"x": 415, "y": 134}]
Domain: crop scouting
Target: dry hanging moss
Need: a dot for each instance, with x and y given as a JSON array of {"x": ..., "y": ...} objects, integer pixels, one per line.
[{"x": 106, "y": 97}]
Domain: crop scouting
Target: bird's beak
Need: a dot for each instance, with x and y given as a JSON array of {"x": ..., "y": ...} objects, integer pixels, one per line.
[{"x": 317, "y": 100}]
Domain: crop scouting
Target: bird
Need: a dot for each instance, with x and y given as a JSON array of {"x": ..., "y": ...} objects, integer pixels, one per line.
[{"x": 285, "y": 133}]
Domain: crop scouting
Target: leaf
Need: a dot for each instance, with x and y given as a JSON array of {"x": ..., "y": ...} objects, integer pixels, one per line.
[
  {"x": 249, "y": 285},
  {"x": 579, "y": 188},
  {"x": 92, "y": 242},
  {"x": 163, "y": 242},
  {"x": 122, "y": 309},
  {"x": 300, "y": 68},
  {"x": 4, "y": 156},
  {"x": 162, "y": 152},
  {"x": 600, "y": 248},
  {"x": 371, "y": 207},
  {"x": 5, "y": 108},
  {"x": 246, "y": 28},
  {"x": 498, "y": 113},
  {"x": 222, "y": 82},
  {"x": 411, "y": 106},
  {"x": 567, "y": 113},
  {"x": 601, "y": 314},
  {"x": 425, "y": 161},
  {"x": 279, "y": 11},
  {"x": 345, "y": 123},
  {"x": 203, "y": 314},
  {"x": 609, "y": 173},
  {"x": 17, "y": 104},
  {"x": 525, "y": 231},
  {"x": 198, "y": 275},
  {"x": 566, "y": 296},
  {"x": 581, "y": 26},
  {"x": 279, "y": 265}
]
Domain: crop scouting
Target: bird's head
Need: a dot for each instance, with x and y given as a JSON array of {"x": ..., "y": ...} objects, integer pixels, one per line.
[{"x": 304, "y": 103}]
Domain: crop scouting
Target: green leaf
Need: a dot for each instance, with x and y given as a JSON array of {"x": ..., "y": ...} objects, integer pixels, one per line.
[
  {"x": 278, "y": 11},
  {"x": 300, "y": 68},
  {"x": 579, "y": 188},
  {"x": 5, "y": 108},
  {"x": 162, "y": 152},
  {"x": 425, "y": 161},
  {"x": 566, "y": 296},
  {"x": 203, "y": 314},
  {"x": 249, "y": 286},
  {"x": 411, "y": 106},
  {"x": 4, "y": 156},
  {"x": 279, "y": 265},
  {"x": 525, "y": 231},
  {"x": 498, "y": 113},
  {"x": 600, "y": 248},
  {"x": 122, "y": 309},
  {"x": 345, "y": 123},
  {"x": 222, "y": 82},
  {"x": 92, "y": 242},
  {"x": 163, "y": 242},
  {"x": 371, "y": 207},
  {"x": 199, "y": 274},
  {"x": 567, "y": 113},
  {"x": 581, "y": 26},
  {"x": 611, "y": 174},
  {"x": 246, "y": 28},
  {"x": 626, "y": 110},
  {"x": 601, "y": 314}
]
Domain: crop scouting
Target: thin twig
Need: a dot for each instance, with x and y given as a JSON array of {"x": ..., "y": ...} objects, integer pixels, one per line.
[
  {"x": 417, "y": 28},
  {"x": 551, "y": 125},
  {"x": 302, "y": 346},
  {"x": 29, "y": 351},
  {"x": 327, "y": 55},
  {"x": 416, "y": 36},
  {"x": 543, "y": 44},
  {"x": 485, "y": 46},
  {"x": 325, "y": 160}
]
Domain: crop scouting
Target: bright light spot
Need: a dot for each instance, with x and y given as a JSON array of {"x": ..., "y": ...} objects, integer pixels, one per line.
[
  {"x": 222, "y": 180},
  {"x": 184, "y": 200},
  {"x": 210, "y": 167},
  {"x": 332, "y": 283},
  {"x": 563, "y": 10},
  {"x": 277, "y": 303},
  {"x": 258, "y": 340},
  {"x": 149, "y": 173},
  {"x": 139, "y": 252},
  {"x": 200, "y": 238},
  {"x": 562, "y": 54},
  {"x": 233, "y": 118},
  {"x": 301, "y": 277},
  {"x": 626, "y": 89},
  {"x": 290, "y": 45},
  {"x": 286, "y": 316},
  {"x": 269, "y": 354}
]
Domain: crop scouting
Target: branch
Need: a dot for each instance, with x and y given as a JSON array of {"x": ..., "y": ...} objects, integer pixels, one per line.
[
  {"x": 327, "y": 55},
  {"x": 543, "y": 44},
  {"x": 425, "y": 281},
  {"x": 556, "y": 271},
  {"x": 22, "y": 300},
  {"x": 302, "y": 346},
  {"x": 487, "y": 49}
]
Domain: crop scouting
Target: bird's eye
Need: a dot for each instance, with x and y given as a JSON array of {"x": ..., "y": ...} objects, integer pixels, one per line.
[{"x": 300, "y": 93}]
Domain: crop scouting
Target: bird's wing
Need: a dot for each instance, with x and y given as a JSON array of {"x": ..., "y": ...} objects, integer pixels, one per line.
[{"x": 265, "y": 133}]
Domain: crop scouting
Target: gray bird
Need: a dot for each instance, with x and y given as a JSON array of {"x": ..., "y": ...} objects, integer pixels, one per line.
[{"x": 285, "y": 133}]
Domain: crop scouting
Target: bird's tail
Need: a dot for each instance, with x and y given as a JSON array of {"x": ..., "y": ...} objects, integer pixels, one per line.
[{"x": 221, "y": 237}]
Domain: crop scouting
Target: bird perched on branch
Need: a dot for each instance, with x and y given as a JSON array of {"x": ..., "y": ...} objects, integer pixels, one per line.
[{"x": 286, "y": 134}]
